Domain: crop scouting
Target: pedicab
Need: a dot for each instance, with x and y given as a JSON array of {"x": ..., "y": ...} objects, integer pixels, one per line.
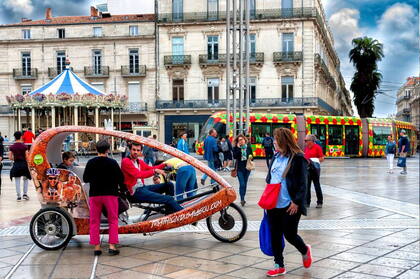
[{"x": 64, "y": 197}]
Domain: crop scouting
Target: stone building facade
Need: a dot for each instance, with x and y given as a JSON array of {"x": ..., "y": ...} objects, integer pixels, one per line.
[
  {"x": 114, "y": 53},
  {"x": 293, "y": 68},
  {"x": 408, "y": 101}
]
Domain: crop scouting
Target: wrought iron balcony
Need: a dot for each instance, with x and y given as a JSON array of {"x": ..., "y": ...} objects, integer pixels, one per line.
[
  {"x": 287, "y": 57},
  {"x": 221, "y": 15},
  {"x": 319, "y": 62},
  {"x": 135, "y": 107},
  {"x": 254, "y": 58},
  {"x": 6, "y": 109},
  {"x": 97, "y": 72},
  {"x": 29, "y": 73},
  {"x": 53, "y": 71},
  {"x": 257, "y": 103},
  {"x": 130, "y": 71},
  {"x": 177, "y": 61},
  {"x": 402, "y": 98},
  {"x": 406, "y": 110}
]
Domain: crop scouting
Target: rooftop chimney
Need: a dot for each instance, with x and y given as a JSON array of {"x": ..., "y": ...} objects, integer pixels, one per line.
[
  {"x": 93, "y": 12},
  {"x": 48, "y": 14}
]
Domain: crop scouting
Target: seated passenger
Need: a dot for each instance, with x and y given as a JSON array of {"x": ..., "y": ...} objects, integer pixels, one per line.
[
  {"x": 68, "y": 161},
  {"x": 135, "y": 170},
  {"x": 186, "y": 178}
]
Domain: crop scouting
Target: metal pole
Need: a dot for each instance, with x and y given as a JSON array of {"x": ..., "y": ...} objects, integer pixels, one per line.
[
  {"x": 228, "y": 67},
  {"x": 247, "y": 45},
  {"x": 235, "y": 67},
  {"x": 241, "y": 66}
]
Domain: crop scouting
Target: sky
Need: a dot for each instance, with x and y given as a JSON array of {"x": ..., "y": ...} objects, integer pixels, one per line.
[{"x": 394, "y": 23}]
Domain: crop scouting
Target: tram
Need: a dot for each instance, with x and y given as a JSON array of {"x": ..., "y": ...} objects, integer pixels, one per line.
[{"x": 340, "y": 136}]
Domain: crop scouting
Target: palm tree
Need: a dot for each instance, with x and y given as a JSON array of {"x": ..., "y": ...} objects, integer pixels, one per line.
[{"x": 365, "y": 54}]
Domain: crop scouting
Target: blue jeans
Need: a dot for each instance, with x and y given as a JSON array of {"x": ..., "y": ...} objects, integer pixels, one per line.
[
  {"x": 150, "y": 160},
  {"x": 211, "y": 165},
  {"x": 159, "y": 193},
  {"x": 243, "y": 175},
  {"x": 186, "y": 180}
]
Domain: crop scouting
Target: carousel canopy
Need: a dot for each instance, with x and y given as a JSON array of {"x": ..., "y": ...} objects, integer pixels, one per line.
[{"x": 68, "y": 83}]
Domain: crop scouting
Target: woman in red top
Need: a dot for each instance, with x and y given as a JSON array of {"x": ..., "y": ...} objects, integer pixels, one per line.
[{"x": 314, "y": 155}]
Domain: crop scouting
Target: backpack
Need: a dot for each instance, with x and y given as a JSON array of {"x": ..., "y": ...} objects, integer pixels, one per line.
[{"x": 268, "y": 143}]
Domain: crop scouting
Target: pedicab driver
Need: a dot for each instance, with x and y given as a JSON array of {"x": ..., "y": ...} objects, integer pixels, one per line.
[{"x": 136, "y": 170}]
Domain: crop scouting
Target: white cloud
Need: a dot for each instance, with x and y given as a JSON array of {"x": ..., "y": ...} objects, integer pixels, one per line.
[{"x": 23, "y": 7}]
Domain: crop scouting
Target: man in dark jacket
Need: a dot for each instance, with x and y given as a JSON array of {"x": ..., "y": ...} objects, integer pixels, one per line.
[
  {"x": 403, "y": 149},
  {"x": 268, "y": 145},
  {"x": 210, "y": 148}
]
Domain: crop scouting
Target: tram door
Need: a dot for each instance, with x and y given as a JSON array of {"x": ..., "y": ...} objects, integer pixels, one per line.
[
  {"x": 319, "y": 132},
  {"x": 352, "y": 140}
]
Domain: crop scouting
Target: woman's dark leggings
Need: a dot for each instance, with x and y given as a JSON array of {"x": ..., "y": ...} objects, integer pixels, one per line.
[{"x": 281, "y": 223}]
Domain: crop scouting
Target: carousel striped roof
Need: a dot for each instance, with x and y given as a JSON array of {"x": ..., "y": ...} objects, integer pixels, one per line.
[{"x": 68, "y": 83}]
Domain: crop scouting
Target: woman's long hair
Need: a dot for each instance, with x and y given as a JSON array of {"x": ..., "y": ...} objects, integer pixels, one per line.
[
  {"x": 286, "y": 142},
  {"x": 235, "y": 141}
]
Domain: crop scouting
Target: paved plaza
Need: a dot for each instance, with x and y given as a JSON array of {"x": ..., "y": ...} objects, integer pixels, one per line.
[{"x": 368, "y": 228}]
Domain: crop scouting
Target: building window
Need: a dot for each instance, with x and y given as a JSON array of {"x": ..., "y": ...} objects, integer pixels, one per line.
[
  {"x": 252, "y": 90},
  {"x": 212, "y": 48},
  {"x": 252, "y": 46},
  {"x": 134, "y": 94},
  {"x": 97, "y": 62},
  {"x": 177, "y": 10},
  {"x": 26, "y": 89},
  {"x": 61, "y": 33},
  {"x": 286, "y": 88},
  {"x": 178, "y": 90},
  {"x": 213, "y": 90},
  {"x": 99, "y": 85},
  {"x": 287, "y": 42},
  {"x": 134, "y": 30},
  {"x": 212, "y": 9},
  {"x": 97, "y": 31},
  {"x": 26, "y": 63},
  {"x": 287, "y": 8},
  {"x": 177, "y": 50},
  {"x": 133, "y": 57},
  {"x": 61, "y": 61},
  {"x": 252, "y": 9},
  {"x": 26, "y": 34},
  {"x": 407, "y": 93}
]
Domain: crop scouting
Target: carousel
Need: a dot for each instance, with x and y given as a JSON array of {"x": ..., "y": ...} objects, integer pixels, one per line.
[{"x": 65, "y": 100}]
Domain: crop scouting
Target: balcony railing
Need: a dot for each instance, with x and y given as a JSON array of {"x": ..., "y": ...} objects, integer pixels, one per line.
[
  {"x": 221, "y": 15},
  {"x": 257, "y": 103},
  {"x": 402, "y": 98},
  {"x": 406, "y": 110},
  {"x": 129, "y": 71},
  {"x": 329, "y": 78},
  {"x": 254, "y": 58},
  {"x": 97, "y": 72},
  {"x": 53, "y": 71},
  {"x": 288, "y": 56},
  {"x": 177, "y": 60},
  {"x": 30, "y": 73},
  {"x": 5, "y": 109},
  {"x": 135, "y": 107}
]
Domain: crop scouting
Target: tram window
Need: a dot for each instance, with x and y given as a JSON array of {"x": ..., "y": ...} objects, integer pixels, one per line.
[
  {"x": 221, "y": 129},
  {"x": 281, "y": 125},
  {"x": 380, "y": 135},
  {"x": 335, "y": 135},
  {"x": 258, "y": 132}
]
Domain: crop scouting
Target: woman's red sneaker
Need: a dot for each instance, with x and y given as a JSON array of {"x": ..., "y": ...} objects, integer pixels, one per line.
[
  {"x": 307, "y": 259},
  {"x": 276, "y": 271}
]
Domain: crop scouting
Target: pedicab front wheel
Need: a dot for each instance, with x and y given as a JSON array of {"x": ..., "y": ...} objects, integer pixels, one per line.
[
  {"x": 51, "y": 228},
  {"x": 228, "y": 225}
]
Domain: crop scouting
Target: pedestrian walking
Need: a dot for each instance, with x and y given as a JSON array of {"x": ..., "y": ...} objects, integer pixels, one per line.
[
  {"x": 314, "y": 155},
  {"x": 182, "y": 143},
  {"x": 268, "y": 144},
  {"x": 148, "y": 154},
  {"x": 390, "y": 150},
  {"x": 226, "y": 148},
  {"x": 242, "y": 152},
  {"x": 403, "y": 150},
  {"x": 289, "y": 168},
  {"x": 18, "y": 153},
  {"x": 210, "y": 148},
  {"x": 106, "y": 180},
  {"x": 28, "y": 137}
]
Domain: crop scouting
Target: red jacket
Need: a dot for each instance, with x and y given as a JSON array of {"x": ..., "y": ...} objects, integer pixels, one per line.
[{"x": 132, "y": 173}]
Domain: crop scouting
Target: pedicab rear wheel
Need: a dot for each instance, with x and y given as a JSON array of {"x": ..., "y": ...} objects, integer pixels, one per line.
[
  {"x": 228, "y": 225},
  {"x": 51, "y": 228}
]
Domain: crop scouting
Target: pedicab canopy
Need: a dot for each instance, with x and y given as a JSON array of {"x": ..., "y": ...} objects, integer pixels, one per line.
[{"x": 66, "y": 90}]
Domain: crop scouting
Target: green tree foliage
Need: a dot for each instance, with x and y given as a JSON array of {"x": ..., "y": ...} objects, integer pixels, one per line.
[{"x": 365, "y": 54}]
